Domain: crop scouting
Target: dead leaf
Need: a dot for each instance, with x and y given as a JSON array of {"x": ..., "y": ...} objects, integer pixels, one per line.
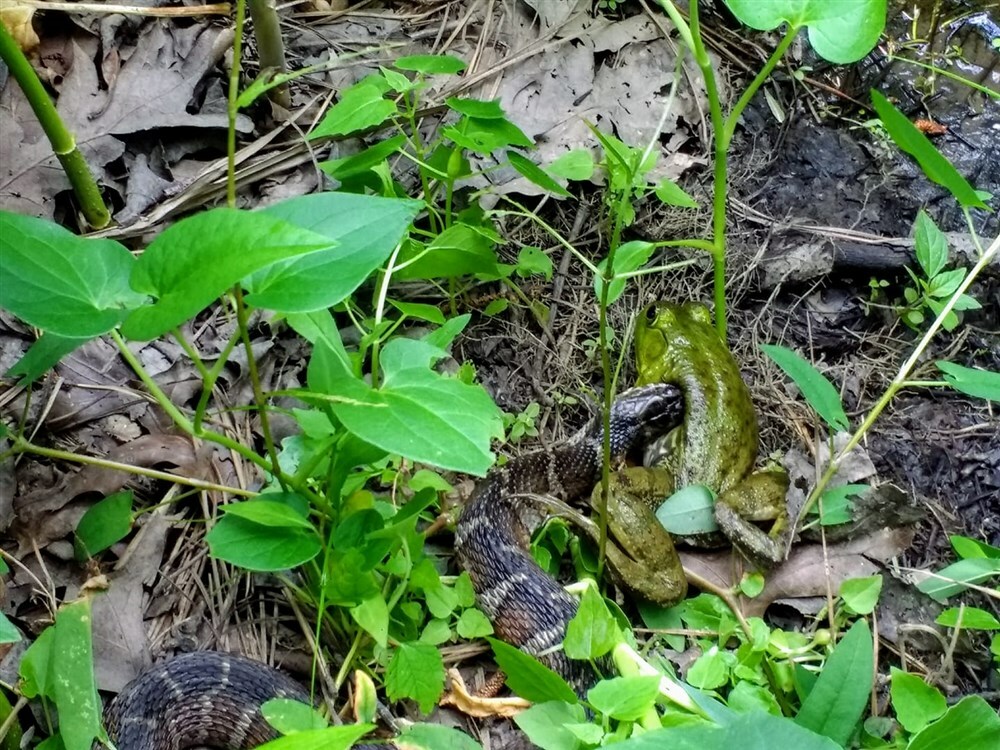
[
  {"x": 17, "y": 18},
  {"x": 460, "y": 698}
]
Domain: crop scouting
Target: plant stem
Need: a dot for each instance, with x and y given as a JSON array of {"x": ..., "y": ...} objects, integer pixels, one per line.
[
  {"x": 88, "y": 194},
  {"x": 232, "y": 108},
  {"x": 270, "y": 46},
  {"x": 757, "y": 82}
]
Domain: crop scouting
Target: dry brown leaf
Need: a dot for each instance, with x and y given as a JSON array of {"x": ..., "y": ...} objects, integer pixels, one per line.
[
  {"x": 460, "y": 698},
  {"x": 16, "y": 17}
]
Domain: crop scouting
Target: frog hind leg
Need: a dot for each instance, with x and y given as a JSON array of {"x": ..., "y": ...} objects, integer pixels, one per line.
[
  {"x": 641, "y": 553},
  {"x": 760, "y": 497}
]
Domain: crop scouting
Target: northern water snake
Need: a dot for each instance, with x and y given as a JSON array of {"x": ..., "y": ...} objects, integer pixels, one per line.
[{"x": 212, "y": 698}]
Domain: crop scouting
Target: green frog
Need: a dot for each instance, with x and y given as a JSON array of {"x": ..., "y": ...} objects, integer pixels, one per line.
[{"x": 716, "y": 446}]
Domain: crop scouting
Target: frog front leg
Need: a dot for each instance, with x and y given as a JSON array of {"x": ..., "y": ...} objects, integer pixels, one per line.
[
  {"x": 759, "y": 497},
  {"x": 640, "y": 552}
]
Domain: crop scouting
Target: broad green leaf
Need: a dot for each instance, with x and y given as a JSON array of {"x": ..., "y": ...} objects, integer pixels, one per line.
[
  {"x": 916, "y": 703},
  {"x": 436, "y": 632},
  {"x": 968, "y": 618},
  {"x": 9, "y": 633},
  {"x": 360, "y": 107},
  {"x": 104, "y": 523},
  {"x": 71, "y": 671},
  {"x": 937, "y": 168},
  {"x": 435, "y": 737},
  {"x": 690, "y": 510},
  {"x": 592, "y": 632},
  {"x": 756, "y": 730},
  {"x": 486, "y": 136},
  {"x": 629, "y": 257},
  {"x": 971, "y": 724},
  {"x": 288, "y": 716},
  {"x": 930, "y": 245},
  {"x": 36, "y": 678},
  {"x": 861, "y": 594},
  {"x": 363, "y": 231},
  {"x": 431, "y": 64},
  {"x": 262, "y": 548},
  {"x": 945, "y": 283},
  {"x": 954, "y": 578},
  {"x": 710, "y": 670},
  {"x": 193, "y": 262},
  {"x": 535, "y": 174},
  {"x": 74, "y": 287},
  {"x": 546, "y": 724},
  {"x": 625, "y": 698},
  {"x": 528, "y": 677},
  {"x": 836, "y": 505},
  {"x": 415, "y": 671},
  {"x": 841, "y": 32},
  {"x": 416, "y": 413},
  {"x": 966, "y": 547},
  {"x": 430, "y": 313},
  {"x": 816, "y": 389},
  {"x": 274, "y": 510},
  {"x": 533, "y": 260},
  {"x": 473, "y": 624},
  {"x": 971, "y": 380},
  {"x": 834, "y": 706},
  {"x": 42, "y": 356}
]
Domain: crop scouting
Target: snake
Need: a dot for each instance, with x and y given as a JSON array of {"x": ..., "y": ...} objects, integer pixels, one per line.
[{"x": 213, "y": 698}]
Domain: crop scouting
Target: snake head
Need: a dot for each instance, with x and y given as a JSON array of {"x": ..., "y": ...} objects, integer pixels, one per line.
[{"x": 642, "y": 414}]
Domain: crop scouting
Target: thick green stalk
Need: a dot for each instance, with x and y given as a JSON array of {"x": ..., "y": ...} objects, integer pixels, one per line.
[{"x": 88, "y": 194}]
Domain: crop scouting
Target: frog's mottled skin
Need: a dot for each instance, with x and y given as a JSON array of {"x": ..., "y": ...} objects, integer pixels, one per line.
[{"x": 716, "y": 446}]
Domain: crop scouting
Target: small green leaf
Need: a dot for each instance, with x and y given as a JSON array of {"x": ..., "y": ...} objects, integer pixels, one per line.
[
  {"x": 473, "y": 624},
  {"x": 429, "y": 313},
  {"x": 529, "y": 678},
  {"x": 435, "y": 737},
  {"x": 861, "y": 594},
  {"x": 592, "y": 632},
  {"x": 431, "y": 64},
  {"x": 836, "y": 505},
  {"x": 688, "y": 511},
  {"x": 945, "y": 283},
  {"x": 625, "y": 698},
  {"x": 331, "y": 738},
  {"x": 262, "y": 548},
  {"x": 834, "y": 706},
  {"x": 966, "y": 547},
  {"x": 937, "y": 168},
  {"x": 710, "y": 670},
  {"x": 671, "y": 194},
  {"x": 460, "y": 249},
  {"x": 278, "y": 510},
  {"x": 972, "y": 719},
  {"x": 532, "y": 260},
  {"x": 8, "y": 633},
  {"x": 42, "y": 356},
  {"x": 415, "y": 671},
  {"x": 289, "y": 716},
  {"x": 575, "y": 165},
  {"x": 546, "y": 724},
  {"x": 971, "y": 380},
  {"x": 373, "y": 617},
  {"x": 475, "y": 108},
  {"x": 917, "y": 704},
  {"x": 363, "y": 161},
  {"x": 535, "y": 174},
  {"x": 968, "y": 618},
  {"x": 71, "y": 671},
  {"x": 954, "y": 578},
  {"x": 816, "y": 389},
  {"x": 930, "y": 245},
  {"x": 104, "y": 523},
  {"x": 629, "y": 257},
  {"x": 360, "y": 107}
]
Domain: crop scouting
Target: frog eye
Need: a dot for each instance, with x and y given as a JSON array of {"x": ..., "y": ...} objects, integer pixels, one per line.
[{"x": 651, "y": 312}]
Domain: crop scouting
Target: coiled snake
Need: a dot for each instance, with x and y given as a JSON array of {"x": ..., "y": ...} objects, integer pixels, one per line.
[{"x": 212, "y": 698}]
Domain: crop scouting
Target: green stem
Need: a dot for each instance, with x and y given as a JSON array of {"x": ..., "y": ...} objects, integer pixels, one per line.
[
  {"x": 757, "y": 82},
  {"x": 233, "y": 107},
  {"x": 63, "y": 143}
]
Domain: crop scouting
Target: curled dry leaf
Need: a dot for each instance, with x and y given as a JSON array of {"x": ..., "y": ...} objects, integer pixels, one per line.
[{"x": 473, "y": 705}]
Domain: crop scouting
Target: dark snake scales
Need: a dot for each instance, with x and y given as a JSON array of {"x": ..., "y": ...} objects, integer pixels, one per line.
[{"x": 213, "y": 699}]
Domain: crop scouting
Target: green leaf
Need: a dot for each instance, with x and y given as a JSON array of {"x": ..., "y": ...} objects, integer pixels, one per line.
[
  {"x": 528, "y": 677},
  {"x": 435, "y": 737},
  {"x": 710, "y": 670},
  {"x": 841, "y": 32},
  {"x": 937, "y": 168},
  {"x": 955, "y": 578},
  {"x": 575, "y": 165},
  {"x": 861, "y": 594},
  {"x": 968, "y": 618},
  {"x": 690, "y": 510},
  {"x": 273, "y": 509},
  {"x": 966, "y": 547},
  {"x": 625, "y": 698},
  {"x": 629, "y": 257},
  {"x": 193, "y": 262},
  {"x": 533, "y": 260},
  {"x": 486, "y": 136},
  {"x": 71, "y": 672},
  {"x": 416, "y": 413},
  {"x": 671, "y": 194},
  {"x": 473, "y": 624},
  {"x": 74, "y": 287},
  {"x": 8, "y": 633},
  {"x": 536, "y": 174},
  {"x": 816, "y": 389},
  {"x": 930, "y": 245},
  {"x": 429, "y": 313},
  {"x": 836, "y": 504},
  {"x": 971, "y": 724},
  {"x": 834, "y": 706},
  {"x": 289, "y": 716},
  {"x": 362, "y": 230},
  {"x": 436, "y": 632},
  {"x": 546, "y": 724},
  {"x": 945, "y": 283},
  {"x": 363, "y": 161},
  {"x": 360, "y": 107},
  {"x": 373, "y": 616},
  {"x": 42, "y": 356},
  {"x": 431, "y": 64},
  {"x": 592, "y": 632},
  {"x": 971, "y": 380},
  {"x": 331, "y": 738},
  {"x": 756, "y": 730},
  {"x": 262, "y": 548},
  {"x": 104, "y": 523},
  {"x": 917, "y": 704},
  {"x": 461, "y": 249},
  {"x": 476, "y": 108},
  {"x": 415, "y": 671}
]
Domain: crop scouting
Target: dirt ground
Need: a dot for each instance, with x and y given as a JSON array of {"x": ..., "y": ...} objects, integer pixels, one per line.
[{"x": 815, "y": 185}]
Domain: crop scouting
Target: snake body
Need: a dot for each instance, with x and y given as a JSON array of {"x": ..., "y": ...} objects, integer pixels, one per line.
[{"x": 213, "y": 699}]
